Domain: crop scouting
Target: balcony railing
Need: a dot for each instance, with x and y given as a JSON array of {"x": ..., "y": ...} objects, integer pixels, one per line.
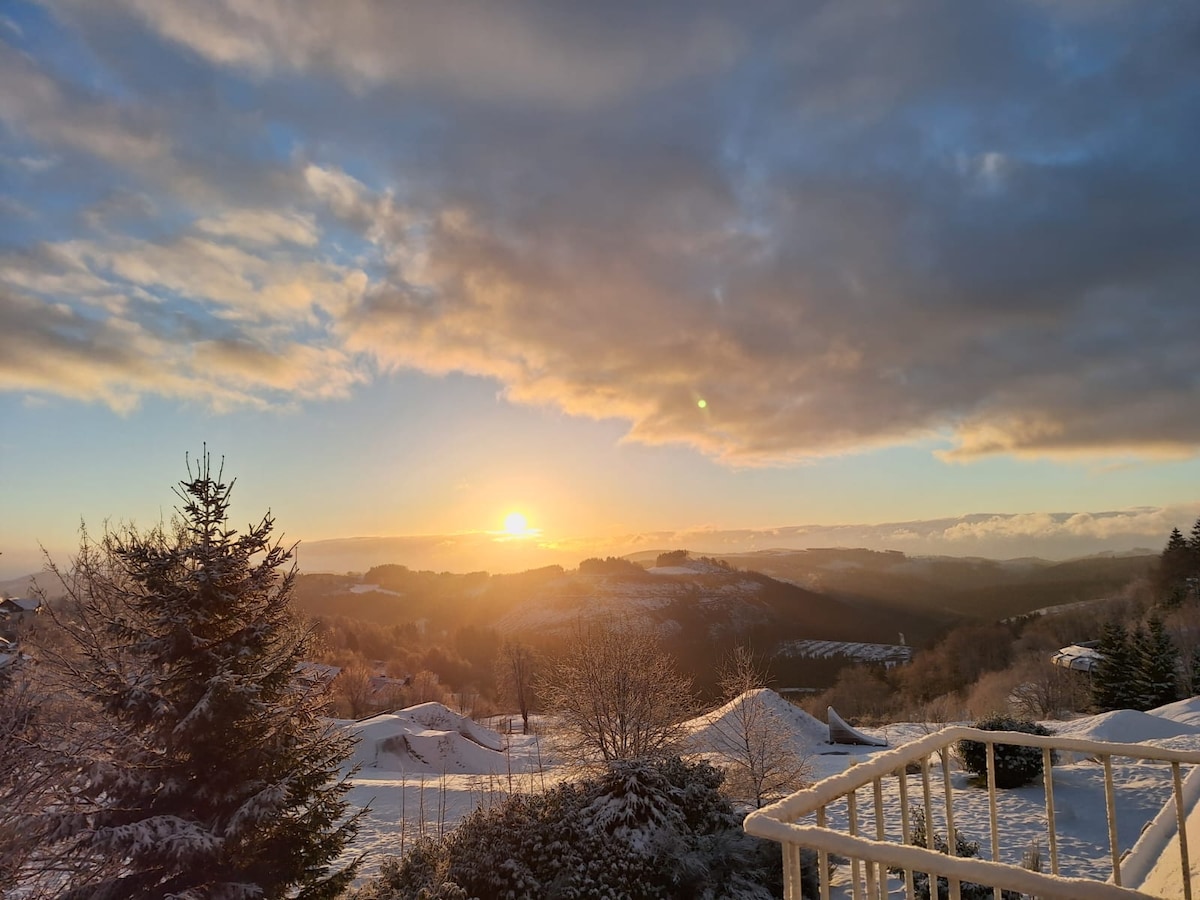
[{"x": 872, "y": 835}]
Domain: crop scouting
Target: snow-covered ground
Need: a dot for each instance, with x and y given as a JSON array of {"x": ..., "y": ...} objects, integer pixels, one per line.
[
  {"x": 425, "y": 768},
  {"x": 422, "y": 769}
]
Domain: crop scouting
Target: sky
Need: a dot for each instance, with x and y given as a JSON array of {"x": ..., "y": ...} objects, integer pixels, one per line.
[{"x": 920, "y": 275}]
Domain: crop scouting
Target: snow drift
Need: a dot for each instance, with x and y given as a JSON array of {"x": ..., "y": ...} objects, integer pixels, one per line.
[
  {"x": 427, "y": 739},
  {"x": 808, "y": 733},
  {"x": 1126, "y": 726}
]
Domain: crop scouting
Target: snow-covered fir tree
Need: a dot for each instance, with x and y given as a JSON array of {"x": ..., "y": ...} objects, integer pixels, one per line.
[
  {"x": 1177, "y": 563},
  {"x": 1113, "y": 678},
  {"x": 221, "y": 780},
  {"x": 1157, "y": 666},
  {"x": 1194, "y": 682}
]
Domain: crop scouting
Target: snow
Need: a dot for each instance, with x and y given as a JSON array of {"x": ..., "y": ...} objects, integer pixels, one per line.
[
  {"x": 1185, "y": 711},
  {"x": 427, "y": 739},
  {"x": 425, "y": 768},
  {"x": 372, "y": 589},
  {"x": 1126, "y": 726},
  {"x": 806, "y": 731}
]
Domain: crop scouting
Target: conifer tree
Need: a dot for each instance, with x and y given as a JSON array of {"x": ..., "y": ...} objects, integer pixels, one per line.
[
  {"x": 221, "y": 779},
  {"x": 1158, "y": 667},
  {"x": 1139, "y": 689},
  {"x": 1194, "y": 684},
  {"x": 1176, "y": 564},
  {"x": 1193, "y": 576},
  {"x": 1112, "y": 678}
]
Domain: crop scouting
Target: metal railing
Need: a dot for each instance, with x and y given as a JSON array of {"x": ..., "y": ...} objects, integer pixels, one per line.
[{"x": 875, "y": 839}]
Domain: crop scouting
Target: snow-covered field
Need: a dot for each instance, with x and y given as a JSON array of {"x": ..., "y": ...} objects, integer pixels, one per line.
[{"x": 424, "y": 768}]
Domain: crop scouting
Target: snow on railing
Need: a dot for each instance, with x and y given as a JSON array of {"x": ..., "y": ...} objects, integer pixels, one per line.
[{"x": 880, "y": 838}]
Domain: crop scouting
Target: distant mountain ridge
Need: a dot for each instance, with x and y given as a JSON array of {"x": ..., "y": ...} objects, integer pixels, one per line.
[
  {"x": 972, "y": 587},
  {"x": 765, "y": 598}
]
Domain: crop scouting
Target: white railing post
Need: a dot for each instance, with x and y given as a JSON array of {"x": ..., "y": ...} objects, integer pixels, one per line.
[
  {"x": 791, "y": 872},
  {"x": 1185, "y": 866},
  {"x": 852, "y": 827},
  {"x": 1110, "y": 809},
  {"x": 823, "y": 859},
  {"x": 948, "y": 797},
  {"x": 1048, "y": 779},
  {"x": 880, "y": 835},
  {"x": 990, "y": 748},
  {"x": 928, "y": 797},
  {"x": 905, "y": 829}
]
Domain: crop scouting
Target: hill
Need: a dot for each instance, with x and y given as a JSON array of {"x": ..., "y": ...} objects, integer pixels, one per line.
[{"x": 968, "y": 587}]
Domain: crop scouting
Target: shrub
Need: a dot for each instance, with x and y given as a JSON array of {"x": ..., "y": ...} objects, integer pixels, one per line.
[
  {"x": 637, "y": 830},
  {"x": 1015, "y": 765},
  {"x": 968, "y": 890}
]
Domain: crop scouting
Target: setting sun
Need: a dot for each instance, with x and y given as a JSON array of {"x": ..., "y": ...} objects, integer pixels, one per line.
[{"x": 515, "y": 523}]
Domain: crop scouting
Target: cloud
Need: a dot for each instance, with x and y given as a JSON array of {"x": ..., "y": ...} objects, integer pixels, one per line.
[
  {"x": 960, "y": 224},
  {"x": 1149, "y": 523},
  {"x": 554, "y": 55},
  {"x": 1052, "y": 536},
  {"x": 262, "y": 226},
  {"x": 36, "y": 103}
]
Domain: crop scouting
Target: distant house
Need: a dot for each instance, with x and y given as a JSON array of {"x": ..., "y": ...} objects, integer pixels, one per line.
[
  {"x": 385, "y": 689},
  {"x": 15, "y": 609},
  {"x": 317, "y": 674},
  {"x": 1082, "y": 657}
]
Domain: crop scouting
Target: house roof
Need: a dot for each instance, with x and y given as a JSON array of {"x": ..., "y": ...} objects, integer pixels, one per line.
[
  {"x": 1078, "y": 657},
  {"x": 21, "y": 604}
]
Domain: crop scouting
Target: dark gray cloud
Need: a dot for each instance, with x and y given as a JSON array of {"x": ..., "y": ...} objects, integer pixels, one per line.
[{"x": 839, "y": 224}]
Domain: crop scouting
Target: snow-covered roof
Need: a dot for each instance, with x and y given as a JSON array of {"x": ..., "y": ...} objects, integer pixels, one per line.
[
  {"x": 1078, "y": 657},
  {"x": 21, "y": 604},
  {"x": 317, "y": 672}
]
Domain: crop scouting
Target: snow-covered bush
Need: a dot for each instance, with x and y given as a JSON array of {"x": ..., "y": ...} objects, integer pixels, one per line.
[
  {"x": 639, "y": 829},
  {"x": 1015, "y": 765},
  {"x": 962, "y": 848}
]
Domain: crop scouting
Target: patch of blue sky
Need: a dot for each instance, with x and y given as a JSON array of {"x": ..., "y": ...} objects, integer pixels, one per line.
[
  {"x": 55, "y": 203},
  {"x": 60, "y": 51},
  {"x": 179, "y": 317},
  {"x": 347, "y": 247}
]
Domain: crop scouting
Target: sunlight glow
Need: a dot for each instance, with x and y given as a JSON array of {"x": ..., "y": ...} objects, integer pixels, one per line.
[{"x": 515, "y": 523}]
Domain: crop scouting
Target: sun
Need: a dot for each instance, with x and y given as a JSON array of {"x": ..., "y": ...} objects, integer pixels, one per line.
[{"x": 515, "y": 523}]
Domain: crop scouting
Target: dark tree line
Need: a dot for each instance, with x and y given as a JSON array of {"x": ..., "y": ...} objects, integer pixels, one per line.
[
  {"x": 1179, "y": 568},
  {"x": 1141, "y": 668}
]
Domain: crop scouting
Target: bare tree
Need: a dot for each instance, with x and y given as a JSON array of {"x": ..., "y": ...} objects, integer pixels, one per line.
[
  {"x": 44, "y": 749},
  {"x": 352, "y": 689},
  {"x": 1046, "y": 691},
  {"x": 757, "y": 749},
  {"x": 516, "y": 668},
  {"x": 617, "y": 695}
]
